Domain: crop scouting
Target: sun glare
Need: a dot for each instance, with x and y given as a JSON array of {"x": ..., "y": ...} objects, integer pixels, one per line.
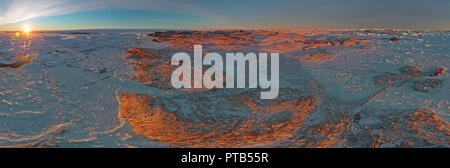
[{"x": 26, "y": 28}]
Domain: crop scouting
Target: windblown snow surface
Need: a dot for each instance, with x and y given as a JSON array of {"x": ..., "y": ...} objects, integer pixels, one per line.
[{"x": 111, "y": 88}]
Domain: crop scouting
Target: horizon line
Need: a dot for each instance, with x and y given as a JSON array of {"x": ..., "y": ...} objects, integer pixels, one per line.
[{"x": 177, "y": 28}]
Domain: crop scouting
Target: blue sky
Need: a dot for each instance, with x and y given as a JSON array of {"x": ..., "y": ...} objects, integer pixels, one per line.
[{"x": 79, "y": 14}]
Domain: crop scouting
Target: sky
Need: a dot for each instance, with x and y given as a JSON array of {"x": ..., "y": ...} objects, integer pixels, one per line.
[{"x": 93, "y": 14}]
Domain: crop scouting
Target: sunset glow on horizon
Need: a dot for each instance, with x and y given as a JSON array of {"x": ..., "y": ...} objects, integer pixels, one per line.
[{"x": 26, "y": 28}]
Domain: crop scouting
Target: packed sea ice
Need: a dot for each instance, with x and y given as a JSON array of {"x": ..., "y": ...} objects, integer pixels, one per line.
[{"x": 111, "y": 88}]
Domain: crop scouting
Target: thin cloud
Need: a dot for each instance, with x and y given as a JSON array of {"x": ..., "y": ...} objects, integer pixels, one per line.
[{"x": 23, "y": 10}]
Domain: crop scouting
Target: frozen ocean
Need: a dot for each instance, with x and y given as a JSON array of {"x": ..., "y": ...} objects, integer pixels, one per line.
[{"x": 338, "y": 88}]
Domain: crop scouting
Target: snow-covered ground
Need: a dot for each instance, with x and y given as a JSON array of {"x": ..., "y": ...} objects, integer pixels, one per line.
[{"x": 85, "y": 89}]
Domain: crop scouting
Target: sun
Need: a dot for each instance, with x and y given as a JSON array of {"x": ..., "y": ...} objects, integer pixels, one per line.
[{"x": 26, "y": 28}]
